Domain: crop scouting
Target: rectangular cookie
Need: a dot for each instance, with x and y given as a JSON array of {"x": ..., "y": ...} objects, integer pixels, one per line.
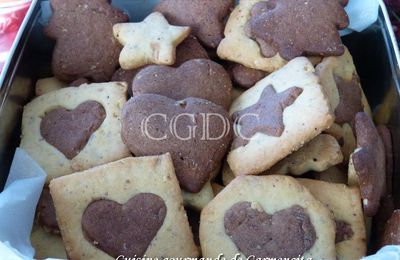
[{"x": 132, "y": 207}]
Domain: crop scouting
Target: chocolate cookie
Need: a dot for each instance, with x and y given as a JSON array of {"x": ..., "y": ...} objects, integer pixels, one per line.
[
  {"x": 386, "y": 137},
  {"x": 298, "y": 28},
  {"x": 367, "y": 164},
  {"x": 132, "y": 207},
  {"x": 85, "y": 46},
  {"x": 154, "y": 124},
  {"x": 267, "y": 216},
  {"x": 391, "y": 235},
  {"x": 198, "y": 78},
  {"x": 244, "y": 76},
  {"x": 189, "y": 49},
  {"x": 45, "y": 212},
  {"x": 206, "y": 17}
]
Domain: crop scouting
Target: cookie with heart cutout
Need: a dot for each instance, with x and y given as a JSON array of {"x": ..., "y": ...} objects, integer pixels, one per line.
[
  {"x": 85, "y": 45},
  {"x": 341, "y": 84},
  {"x": 131, "y": 207},
  {"x": 367, "y": 166},
  {"x": 206, "y": 18},
  {"x": 75, "y": 128},
  {"x": 345, "y": 203},
  {"x": 265, "y": 35},
  {"x": 199, "y": 78},
  {"x": 267, "y": 216},
  {"x": 154, "y": 124},
  {"x": 276, "y": 117}
]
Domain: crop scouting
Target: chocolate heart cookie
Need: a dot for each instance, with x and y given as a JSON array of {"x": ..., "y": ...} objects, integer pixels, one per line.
[
  {"x": 199, "y": 78},
  {"x": 126, "y": 229},
  {"x": 286, "y": 233},
  {"x": 195, "y": 131},
  {"x": 69, "y": 131}
]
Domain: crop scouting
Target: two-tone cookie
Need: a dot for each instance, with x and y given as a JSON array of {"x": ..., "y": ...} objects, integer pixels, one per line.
[
  {"x": 132, "y": 207},
  {"x": 345, "y": 203},
  {"x": 341, "y": 84},
  {"x": 265, "y": 35},
  {"x": 276, "y": 117},
  {"x": 267, "y": 216},
  {"x": 75, "y": 128}
]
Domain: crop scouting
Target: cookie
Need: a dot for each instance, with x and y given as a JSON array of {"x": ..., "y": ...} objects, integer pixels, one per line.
[
  {"x": 367, "y": 164},
  {"x": 154, "y": 124},
  {"x": 151, "y": 41},
  {"x": 292, "y": 29},
  {"x": 85, "y": 46},
  {"x": 345, "y": 203},
  {"x": 206, "y": 18},
  {"x": 78, "y": 82},
  {"x": 198, "y": 78},
  {"x": 46, "y": 85},
  {"x": 318, "y": 155},
  {"x": 46, "y": 213},
  {"x": 379, "y": 221},
  {"x": 132, "y": 207},
  {"x": 47, "y": 245},
  {"x": 198, "y": 201},
  {"x": 384, "y": 111},
  {"x": 227, "y": 174},
  {"x": 341, "y": 84},
  {"x": 386, "y": 136},
  {"x": 391, "y": 235},
  {"x": 245, "y": 77},
  {"x": 189, "y": 49},
  {"x": 75, "y": 128},
  {"x": 334, "y": 174},
  {"x": 267, "y": 216},
  {"x": 217, "y": 188},
  {"x": 276, "y": 117}
]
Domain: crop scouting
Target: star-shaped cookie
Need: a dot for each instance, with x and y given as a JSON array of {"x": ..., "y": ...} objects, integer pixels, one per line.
[
  {"x": 266, "y": 116},
  {"x": 151, "y": 41}
]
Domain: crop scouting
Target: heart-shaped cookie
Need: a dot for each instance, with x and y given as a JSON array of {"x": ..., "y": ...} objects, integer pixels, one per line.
[
  {"x": 286, "y": 233},
  {"x": 126, "y": 229},
  {"x": 199, "y": 78},
  {"x": 70, "y": 130},
  {"x": 195, "y": 131}
]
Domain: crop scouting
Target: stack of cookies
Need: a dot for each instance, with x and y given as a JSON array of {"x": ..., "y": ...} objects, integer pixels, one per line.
[{"x": 207, "y": 129}]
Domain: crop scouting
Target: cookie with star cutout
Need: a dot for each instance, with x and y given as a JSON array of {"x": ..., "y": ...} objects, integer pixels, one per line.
[
  {"x": 265, "y": 35},
  {"x": 341, "y": 84},
  {"x": 152, "y": 41},
  {"x": 276, "y": 117}
]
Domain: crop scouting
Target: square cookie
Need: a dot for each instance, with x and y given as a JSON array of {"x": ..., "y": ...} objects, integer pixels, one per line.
[
  {"x": 75, "y": 128},
  {"x": 277, "y": 116},
  {"x": 132, "y": 207}
]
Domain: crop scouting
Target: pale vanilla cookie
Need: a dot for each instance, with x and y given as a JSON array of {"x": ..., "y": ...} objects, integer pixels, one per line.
[
  {"x": 47, "y": 245},
  {"x": 345, "y": 203},
  {"x": 198, "y": 200},
  {"x": 333, "y": 175},
  {"x": 238, "y": 47},
  {"x": 46, "y": 85},
  {"x": 132, "y": 207},
  {"x": 341, "y": 84},
  {"x": 276, "y": 117},
  {"x": 318, "y": 155},
  {"x": 152, "y": 41},
  {"x": 267, "y": 216},
  {"x": 75, "y": 128}
]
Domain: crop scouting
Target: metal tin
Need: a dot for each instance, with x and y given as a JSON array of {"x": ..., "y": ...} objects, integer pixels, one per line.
[{"x": 374, "y": 50}]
